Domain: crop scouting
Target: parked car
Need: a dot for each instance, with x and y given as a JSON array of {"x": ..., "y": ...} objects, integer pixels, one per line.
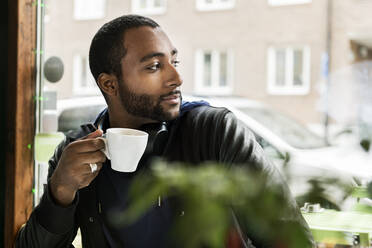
[
  {"x": 304, "y": 158},
  {"x": 73, "y": 112},
  {"x": 301, "y": 155}
]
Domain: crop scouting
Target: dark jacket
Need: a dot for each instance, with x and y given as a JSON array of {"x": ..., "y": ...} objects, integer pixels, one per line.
[{"x": 202, "y": 134}]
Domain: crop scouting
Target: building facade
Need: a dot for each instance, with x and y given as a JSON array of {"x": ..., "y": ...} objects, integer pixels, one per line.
[{"x": 273, "y": 51}]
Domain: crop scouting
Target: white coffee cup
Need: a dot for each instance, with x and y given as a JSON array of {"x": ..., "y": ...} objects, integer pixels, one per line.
[{"x": 124, "y": 147}]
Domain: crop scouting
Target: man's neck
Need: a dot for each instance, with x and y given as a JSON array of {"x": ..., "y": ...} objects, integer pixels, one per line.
[{"x": 123, "y": 119}]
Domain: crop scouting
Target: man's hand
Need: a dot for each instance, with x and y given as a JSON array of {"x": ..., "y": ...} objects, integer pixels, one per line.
[{"x": 73, "y": 171}]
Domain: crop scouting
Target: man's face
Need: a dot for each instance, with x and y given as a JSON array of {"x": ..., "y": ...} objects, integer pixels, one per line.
[{"x": 149, "y": 87}]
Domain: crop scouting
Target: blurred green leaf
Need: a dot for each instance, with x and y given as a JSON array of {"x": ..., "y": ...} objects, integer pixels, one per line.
[
  {"x": 369, "y": 188},
  {"x": 365, "y": 144},
  {"x": 206, "y": 194}
]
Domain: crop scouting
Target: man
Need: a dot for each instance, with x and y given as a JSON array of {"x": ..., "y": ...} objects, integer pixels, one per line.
[{"x": 134, "y": 64}]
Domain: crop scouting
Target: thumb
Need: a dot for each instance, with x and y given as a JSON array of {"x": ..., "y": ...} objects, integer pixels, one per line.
[{"x": 95, "y": 134}]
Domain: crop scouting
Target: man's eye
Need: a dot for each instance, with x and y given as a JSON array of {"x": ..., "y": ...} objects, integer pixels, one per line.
[{"x": 153, "y": 67}]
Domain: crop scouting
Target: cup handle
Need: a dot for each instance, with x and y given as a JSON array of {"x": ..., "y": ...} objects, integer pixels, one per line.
[{"x": 105, "y": 150}]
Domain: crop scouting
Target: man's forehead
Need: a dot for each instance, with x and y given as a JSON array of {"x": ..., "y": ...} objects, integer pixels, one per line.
[{"x": 143, "y": 40}]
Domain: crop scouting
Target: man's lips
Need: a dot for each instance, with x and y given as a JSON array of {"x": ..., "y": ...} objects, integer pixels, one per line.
[{"x": 172, "y": 99}]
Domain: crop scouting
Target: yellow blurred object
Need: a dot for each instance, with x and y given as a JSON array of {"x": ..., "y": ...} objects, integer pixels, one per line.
[{"x": 45, "y": 144}]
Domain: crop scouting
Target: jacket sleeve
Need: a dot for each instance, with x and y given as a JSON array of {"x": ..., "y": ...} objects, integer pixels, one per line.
[
  {"x": 49, "y": 225},
  {"x": 239, "y": 147},
  {"x": 223, "y": 138}
]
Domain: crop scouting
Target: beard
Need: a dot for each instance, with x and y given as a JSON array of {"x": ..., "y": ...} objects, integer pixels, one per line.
[{"x": 145, "y": 105}]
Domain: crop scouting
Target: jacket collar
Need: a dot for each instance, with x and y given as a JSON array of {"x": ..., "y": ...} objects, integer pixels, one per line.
[{"x": 158, "y": 132}]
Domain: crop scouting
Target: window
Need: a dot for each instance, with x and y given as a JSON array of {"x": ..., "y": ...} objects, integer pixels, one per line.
[
  {"x": 213, "y": 72},
  {"x": 149, "y": 7},
  {"x": 83, "y": 81},
  {"x": 289, "y": 70},
  {"x": 72, "y": 118},
  {"x": 288, "y": 2},
  {"x": 208, "y": 5},
  {"x": 89, "y": 9}
]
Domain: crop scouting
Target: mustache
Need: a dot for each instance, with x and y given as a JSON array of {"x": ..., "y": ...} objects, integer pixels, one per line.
[{"x": 174, "y": 92}]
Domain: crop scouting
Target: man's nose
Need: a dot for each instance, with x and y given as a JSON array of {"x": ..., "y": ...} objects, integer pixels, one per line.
[{"x": 174, "y": 79}]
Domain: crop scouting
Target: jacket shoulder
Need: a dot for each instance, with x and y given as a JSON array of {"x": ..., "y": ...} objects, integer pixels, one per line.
[
  {"x": 208, "y": 111},
  {"x": 207, "y": 114}
]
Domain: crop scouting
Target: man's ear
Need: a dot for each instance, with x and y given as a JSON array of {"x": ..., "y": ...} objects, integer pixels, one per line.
[{"x": 108, "y": 84}]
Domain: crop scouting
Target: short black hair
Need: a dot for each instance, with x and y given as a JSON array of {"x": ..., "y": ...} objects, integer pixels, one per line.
[{"x": 107, "y": 48}]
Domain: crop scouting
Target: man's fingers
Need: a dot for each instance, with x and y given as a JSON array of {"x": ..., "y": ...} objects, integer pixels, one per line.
[
  {"x": 88, "y": 145},
  {"x": 88, "y": 170},
  {"x": 95, "y": 134},
  {"x": 89, "y": 176},
  {"x": 92, "y": 157}
]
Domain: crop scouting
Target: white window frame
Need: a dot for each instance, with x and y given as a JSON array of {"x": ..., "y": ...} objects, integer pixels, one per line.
[
  {"x": 288, "y": 88},
  {"x": 202, "y": 5},
  {"x": 82, "y": 7},
  {"x": 288, "y": 2},
  {"x": 214, "y": 89},
  {"x": 149, "y": 10},
  {"x": 91, "y": 87}
]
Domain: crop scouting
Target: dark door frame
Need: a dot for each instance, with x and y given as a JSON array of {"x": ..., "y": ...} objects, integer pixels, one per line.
[{"x": 20, "y": 117}]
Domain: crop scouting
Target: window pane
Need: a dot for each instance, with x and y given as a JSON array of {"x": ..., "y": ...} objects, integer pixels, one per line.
[
  {"x": 143, "y": 4},
  {"x": 280, "y": 67},
  {"x": 288, "y": 2},
  {"x": 298, "y": 67},
  {"x": 223, "y": 69},
  {"x": 207, "y": 73},
  {"x": 84, "y": 72},
  {"x": 89, "y": 9},
  {"x": 71, "y": 119},
  {"x": 158, "y": 3},
  {"x": 77, "y": 71}
]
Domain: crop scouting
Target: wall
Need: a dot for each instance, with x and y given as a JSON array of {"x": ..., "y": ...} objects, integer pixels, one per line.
[{"x": 255, "y": 26}]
